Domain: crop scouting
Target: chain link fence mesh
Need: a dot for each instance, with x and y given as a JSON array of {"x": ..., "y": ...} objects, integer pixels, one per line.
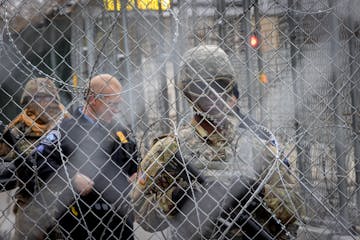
[{"x": 297, "y": 71}]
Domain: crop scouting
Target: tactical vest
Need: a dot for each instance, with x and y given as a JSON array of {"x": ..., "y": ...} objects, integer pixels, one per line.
[{"x": 220, "y": 156}]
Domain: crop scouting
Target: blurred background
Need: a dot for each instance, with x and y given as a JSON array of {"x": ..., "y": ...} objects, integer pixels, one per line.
[{"x": 297, "y": 65}]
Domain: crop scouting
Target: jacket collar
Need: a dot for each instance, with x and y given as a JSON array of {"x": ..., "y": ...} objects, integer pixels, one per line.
[{"x": 212, "y": 137}]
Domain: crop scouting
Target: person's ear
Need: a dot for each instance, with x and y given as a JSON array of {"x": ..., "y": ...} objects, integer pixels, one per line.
[
  {"x": 232, "y": 101},
  {"x": 91, "y": 99}
]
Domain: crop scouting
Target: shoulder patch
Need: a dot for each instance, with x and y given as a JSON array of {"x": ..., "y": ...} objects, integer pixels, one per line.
[
  {"x": 122, "y": 137},
  {"x": 51, "y": 137},
  {"x": 40, "y": 148}
]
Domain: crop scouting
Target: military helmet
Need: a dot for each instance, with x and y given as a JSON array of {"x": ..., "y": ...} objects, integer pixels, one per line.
[
  {"x": 39, "y": 86},
  {"x": 206, "y": 63}
]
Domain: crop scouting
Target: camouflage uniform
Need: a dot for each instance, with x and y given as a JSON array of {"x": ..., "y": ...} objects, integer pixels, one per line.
[
  {"x": 218, "y": 159},
  {"x": 25, "y": 128},
  {"x": 25, "y": 131},
  {"x": 223, "y": 157}
]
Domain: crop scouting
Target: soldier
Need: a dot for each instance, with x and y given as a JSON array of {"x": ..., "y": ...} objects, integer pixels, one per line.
[
  {"x": 41, "y": 110},
  {"x": 207, "y": 179}
]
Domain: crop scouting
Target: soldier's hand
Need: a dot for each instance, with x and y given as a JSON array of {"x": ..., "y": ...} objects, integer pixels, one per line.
[
  {"x": 132, "y": 178},
  {"x": 83, "y": 184}
]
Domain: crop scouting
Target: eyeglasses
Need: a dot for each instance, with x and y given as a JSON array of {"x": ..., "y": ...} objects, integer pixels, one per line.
[
  {"x": 200, "y": 87},
  {"x": 110, "y": 103}
]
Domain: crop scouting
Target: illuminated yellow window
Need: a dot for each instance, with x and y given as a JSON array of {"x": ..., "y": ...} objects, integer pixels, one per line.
[
  {"x": 153, "y": 4},
  {"x": 141, "y": 4},
  {"x": 110, "y": 5}
]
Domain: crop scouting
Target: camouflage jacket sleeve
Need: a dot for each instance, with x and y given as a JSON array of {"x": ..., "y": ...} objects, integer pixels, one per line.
[
  {"x": 281, "y": 191},
  {"x": 152, "y": 193}
]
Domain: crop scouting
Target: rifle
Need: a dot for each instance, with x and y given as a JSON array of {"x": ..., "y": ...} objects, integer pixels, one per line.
[{"x": 214, "y": 190}]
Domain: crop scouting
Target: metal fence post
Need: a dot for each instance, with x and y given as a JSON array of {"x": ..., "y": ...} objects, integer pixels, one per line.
[
  {"x": 260, "y": 61},
  {"x": 124, "y": 26},
  {"x": 355, "y": 103},
  {"x": 247, "y": 29},
  {"x": 340, "y": 135},
  {"x": 220, "y": 18},
  {"x": 90, "y": 37},
  {"x": 164, "y": 99}
]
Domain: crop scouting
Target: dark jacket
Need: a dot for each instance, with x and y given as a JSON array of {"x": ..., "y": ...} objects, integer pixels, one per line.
[{"x": 106, "y": 154}]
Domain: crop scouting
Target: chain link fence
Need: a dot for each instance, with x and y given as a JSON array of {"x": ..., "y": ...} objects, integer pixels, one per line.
[{"x": 297, "y": 71}]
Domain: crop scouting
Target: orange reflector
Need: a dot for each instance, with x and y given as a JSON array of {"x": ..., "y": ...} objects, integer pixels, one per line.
[
  {"x": 121, "y": 137},
  {"x": 263, "y": 78},
  {"x": 254, "y": 41}
]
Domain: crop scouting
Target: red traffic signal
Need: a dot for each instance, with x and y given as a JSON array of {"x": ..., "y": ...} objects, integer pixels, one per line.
[{"x": 254, "y": 41}]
